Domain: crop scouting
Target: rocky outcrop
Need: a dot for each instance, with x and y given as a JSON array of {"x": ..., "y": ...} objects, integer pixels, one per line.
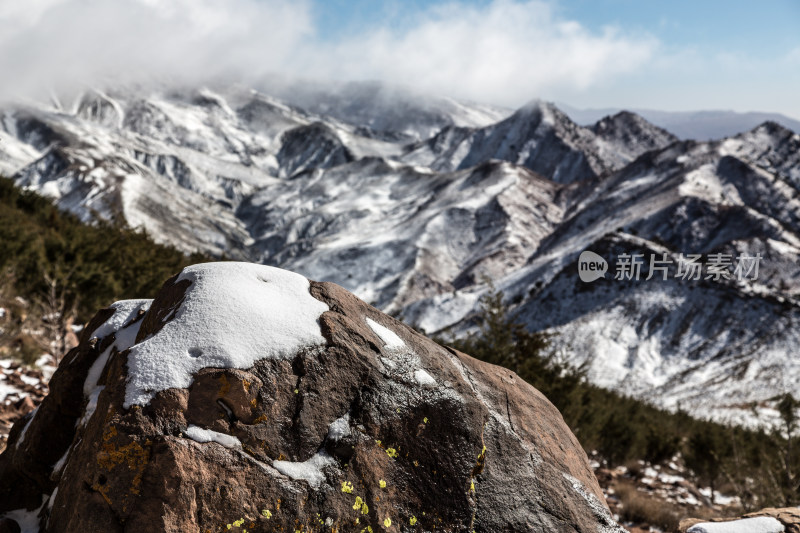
[
  {"x": 309, "y": 147},
  {"x": 784, "y": 519},
  {"x": 247, "y": 398}
]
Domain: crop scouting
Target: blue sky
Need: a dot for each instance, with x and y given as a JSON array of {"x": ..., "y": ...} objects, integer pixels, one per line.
[
  {"x": 676, "y": 55},
  {"x": 710, "y": 54},
  {"x": 765, "y": 29}
]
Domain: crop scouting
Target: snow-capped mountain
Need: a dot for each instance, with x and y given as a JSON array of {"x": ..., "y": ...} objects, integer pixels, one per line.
[
  {"x": 543, "y": 139},
  {"x": 691, "y": 125},
  {"x": 382, "y": 111},
  {"x": 415, "y": 206}
]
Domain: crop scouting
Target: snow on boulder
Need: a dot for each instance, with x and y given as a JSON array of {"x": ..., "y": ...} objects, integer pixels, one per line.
[
  {"x": 220, "y": 323},
  {"x": 769, "y": 520},
  {"x": 761, "y": 524},
  {"x": 247, "y": 397}
]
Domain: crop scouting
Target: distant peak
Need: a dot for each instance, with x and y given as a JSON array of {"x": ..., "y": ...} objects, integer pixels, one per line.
[
  {"x": 627, "y": 121},
  {"x": 540, "y": 110},
  {"x": 538, "y": 105},
  {"x": 626, "y": 115},
  {"x": 622, "y": 118},
  {"x": 773, "y": 128}
]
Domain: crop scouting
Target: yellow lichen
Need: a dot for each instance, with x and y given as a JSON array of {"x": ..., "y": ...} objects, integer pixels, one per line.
[
  {"x": 391, "y": 452},
  {"x": 387, "y": 522},
  {"x": 225, "y": 387},
  {"x": 103, "y": 490},
  {"x": 357, "y": 504},
  {"x": 382, "y": 484},
  {"x": 109, "y": 433},
  {"x": 413, "y": 520},
  {"x": 133, "y": 454},
  {"x": 266, "y": 514},
  {"x": 347, "y": 487},
  {"x": 425, "y": 420}
]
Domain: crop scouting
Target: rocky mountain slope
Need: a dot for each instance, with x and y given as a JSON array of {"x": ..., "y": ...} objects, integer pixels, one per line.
[{"x": 414, "y": 211}]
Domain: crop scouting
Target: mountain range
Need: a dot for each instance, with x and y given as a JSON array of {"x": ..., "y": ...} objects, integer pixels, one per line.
[
  {"x": 696, "y": 125},
  {"x": 421, "y": 205}
]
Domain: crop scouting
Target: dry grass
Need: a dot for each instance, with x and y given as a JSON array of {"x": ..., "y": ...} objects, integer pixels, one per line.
[{"x": 640, "y": 508}]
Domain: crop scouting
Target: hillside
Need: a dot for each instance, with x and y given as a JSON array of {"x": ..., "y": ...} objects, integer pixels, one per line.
[
  {"x": 412, "y": 211},
  {"x": 57, "y": 270}
]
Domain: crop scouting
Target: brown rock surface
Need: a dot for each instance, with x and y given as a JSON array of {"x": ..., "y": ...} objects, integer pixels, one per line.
[
  {"x": 370, "y": 445},
  {"x": 788, "y": 516}
]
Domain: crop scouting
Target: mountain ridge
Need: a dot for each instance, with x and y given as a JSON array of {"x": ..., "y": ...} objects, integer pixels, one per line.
[
  {"x": 415, "y": 226},
  {"x": 698, "y": 125}
]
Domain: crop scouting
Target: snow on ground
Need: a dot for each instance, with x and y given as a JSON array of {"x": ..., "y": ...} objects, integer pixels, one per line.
[
  {"x": 16, "y": 381},
  {"x": 21, "y": 389},
  {"x": 232, "y": 315},
  {"x": 671, "y": 483},
  {"x": 45, "y": 364},
  {"x": 719, "y": 499},
  {"x": 760, "y": 524},
  {"x": 7, "y": 390}
]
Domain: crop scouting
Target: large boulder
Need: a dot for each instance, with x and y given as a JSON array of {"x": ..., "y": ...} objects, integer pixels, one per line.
[
  {"x": 769, "y": 520},
  {"x": 245, "y": 397}
]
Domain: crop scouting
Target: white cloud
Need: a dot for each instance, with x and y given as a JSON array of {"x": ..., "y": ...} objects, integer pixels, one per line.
[
  {"x": 793, "y": 56},
  {"x": 69, "y": 43},
  {"x": 507, "y": 52},
  {"x": 504, "y": 52}
]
